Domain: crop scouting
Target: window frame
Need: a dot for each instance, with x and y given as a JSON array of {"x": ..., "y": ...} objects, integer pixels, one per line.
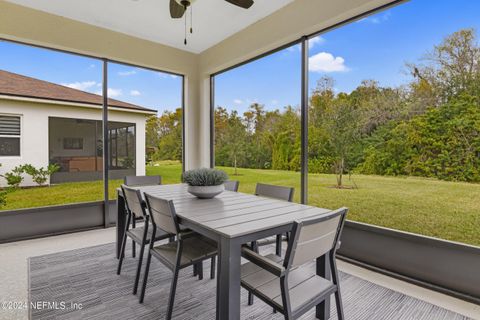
[
  {"x": 20, "y": 136},
  {"x": 303, "y": 41}
]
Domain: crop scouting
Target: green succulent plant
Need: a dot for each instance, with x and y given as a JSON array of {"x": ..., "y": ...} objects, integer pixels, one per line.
[{"x": 204, "y": 177}]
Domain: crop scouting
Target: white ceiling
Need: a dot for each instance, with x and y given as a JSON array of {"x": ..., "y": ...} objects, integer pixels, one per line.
[{"x": 213, "y": 20}]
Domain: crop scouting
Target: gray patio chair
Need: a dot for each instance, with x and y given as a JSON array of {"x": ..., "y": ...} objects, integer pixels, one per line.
[
  {"x": 142, "y": 180},
  {"x": 275, "y": 192},
  {"x": 290, "y": 286},
  {"x": 136, "y": 181},
  {"x": 231, "y": 185},
  {"x": 190, "y": 248},
  {"x": 142, "y": 235}
]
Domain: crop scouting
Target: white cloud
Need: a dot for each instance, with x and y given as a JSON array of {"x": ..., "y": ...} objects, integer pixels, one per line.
[
  {"x": 318, "y": 40},
  {"x": 164, "y": 75},
  {"x": 377, "y": 19},
  {"x": 83, "y": 85},
  {"x": 111, "y": 92},
  {"x": 274, "y": 102},
  {"x": 326, "y": 62},
  {"x": 237, "y": 101},
  {"x": 296, "y": 47},
  {"x": 135, "y": 93},
  {"x": 127, "y": 73},
  {"x": 315, "y": 41}
]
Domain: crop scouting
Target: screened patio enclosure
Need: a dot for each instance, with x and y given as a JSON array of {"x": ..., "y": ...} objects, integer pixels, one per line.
[{"x": 121, "y": 44}]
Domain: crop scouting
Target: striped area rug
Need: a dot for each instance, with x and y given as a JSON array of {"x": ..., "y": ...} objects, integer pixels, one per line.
[{"x": 62, "y": 282}]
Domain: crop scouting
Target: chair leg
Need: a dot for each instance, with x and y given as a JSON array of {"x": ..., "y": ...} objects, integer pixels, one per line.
[
  {"x": 122, "y": 253},
  {"x": 336, "y": 281},
  {"x": 145, "y": 277},
  {"x": 250, "y": 298},
  {"x": 200, "y": 270},
  {"x": 133, "y": 249},
  {"x": 139, "y": 268},
  {"x": 338, "y": 302},
  {"x": 278, "y": 247},
  {"x": 171, "y": 299},
  {"x": 212, "y": 267},
  {"x": 195, "y": 270},
  {"x": 338, "y": 296}
]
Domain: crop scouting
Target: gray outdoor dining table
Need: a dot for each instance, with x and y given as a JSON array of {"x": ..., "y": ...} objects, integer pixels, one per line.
[{"x": 231, "y": 219}]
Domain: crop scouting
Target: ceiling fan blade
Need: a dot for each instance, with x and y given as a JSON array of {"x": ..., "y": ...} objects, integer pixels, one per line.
[
  {"x": 241, "y": 3},
  {"x": 176, "y": 10}
]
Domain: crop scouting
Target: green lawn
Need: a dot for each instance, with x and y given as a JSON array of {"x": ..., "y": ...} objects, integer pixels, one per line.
[{"x": 440, "y": 209}]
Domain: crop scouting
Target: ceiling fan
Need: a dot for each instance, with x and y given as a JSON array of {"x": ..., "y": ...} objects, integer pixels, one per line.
[{"x": 179, "y": 7}]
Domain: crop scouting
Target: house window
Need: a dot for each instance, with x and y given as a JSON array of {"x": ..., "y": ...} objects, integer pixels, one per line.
[
  {"x": 9, "y": 135},
  {"x": 73, "y": 143}
]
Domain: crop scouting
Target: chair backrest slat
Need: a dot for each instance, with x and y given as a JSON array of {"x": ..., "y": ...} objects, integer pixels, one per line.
[
  {"x": 316, "y": 236},
  {"x": 142, "y": 180},
  {"x": 162, "y": 213},
  {"x": 231, "y": 185},
  {"x": 133, "y": 200},
  {"x": 276, "y": 192}
]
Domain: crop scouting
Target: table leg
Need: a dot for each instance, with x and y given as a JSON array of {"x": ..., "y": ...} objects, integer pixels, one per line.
[
  {"x": 228, "y": 280},
  {"x": 121, "y": 220},
  {"x": 323, "y": 270}
]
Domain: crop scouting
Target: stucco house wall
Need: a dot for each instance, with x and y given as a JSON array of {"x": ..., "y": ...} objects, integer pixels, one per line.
[{"x": 35, "y": 124}]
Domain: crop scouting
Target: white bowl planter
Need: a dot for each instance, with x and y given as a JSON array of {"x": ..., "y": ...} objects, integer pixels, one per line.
[{"x": 206, "y": 192}]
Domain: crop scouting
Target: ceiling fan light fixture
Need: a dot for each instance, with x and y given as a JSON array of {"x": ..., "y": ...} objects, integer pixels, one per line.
[
  {"x": 178, "y": 9},
  {"x": 185, "y": 3}
]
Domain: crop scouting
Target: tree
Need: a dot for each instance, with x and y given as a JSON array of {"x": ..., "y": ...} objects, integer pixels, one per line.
[
  {"x": 151, "y": 136},
  {"x": 452, "y": 68},
  {"x": 443, "y": 143},
  {"x": 342, "y": 123},
  {"x": 164, "y": 136},
  {"x": 236, "y": 137}
]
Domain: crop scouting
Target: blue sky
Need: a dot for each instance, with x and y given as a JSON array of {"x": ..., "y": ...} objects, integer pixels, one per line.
[
  {"x": 156, "y": 90},
  {"x": 376, "y": 47}
]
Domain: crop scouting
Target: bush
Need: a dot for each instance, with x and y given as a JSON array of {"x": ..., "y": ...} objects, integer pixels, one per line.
[
  {"x": 442, "y": 143},
  {"x": 41, "y": 175},
  {"x": 14, "y": 178},
  {"x": 3, "y": 198},
  {"x": 204, "y": 177}
]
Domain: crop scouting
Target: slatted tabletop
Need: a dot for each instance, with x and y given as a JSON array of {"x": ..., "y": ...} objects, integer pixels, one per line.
[{"x": 232, "y": 214}]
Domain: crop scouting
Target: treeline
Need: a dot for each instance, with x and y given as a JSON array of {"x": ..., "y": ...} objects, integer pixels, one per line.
[
  {"x": 429, "y": 127},
  {"x": 163, "y": 136}
]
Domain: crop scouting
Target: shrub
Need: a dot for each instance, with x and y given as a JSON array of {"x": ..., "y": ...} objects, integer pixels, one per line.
[
  {"x": 14, "y": 178},
  {"x": 204, "y": 177},
  {"x": 41, "y": 175},
  {"x": 3, "y": 196}
]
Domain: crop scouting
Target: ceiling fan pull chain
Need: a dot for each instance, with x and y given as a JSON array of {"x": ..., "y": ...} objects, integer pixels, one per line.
[
  {"x": 191, "y": 19},
  {"x": 185, "y": 40}
]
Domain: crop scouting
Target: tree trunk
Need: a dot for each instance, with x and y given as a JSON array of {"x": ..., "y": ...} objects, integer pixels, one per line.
[
  {"x": 340, "y": 167},
  {"x": 235, "y": 165}
]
